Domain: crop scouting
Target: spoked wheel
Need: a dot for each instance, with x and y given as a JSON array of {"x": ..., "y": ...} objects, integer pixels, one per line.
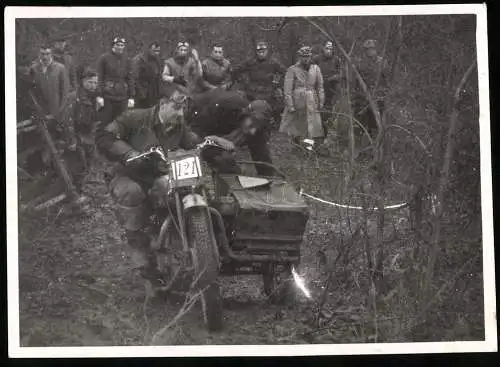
[
  {"x": 174, "y": 265},
  {"x": 206, "y": 264},
  {"x": 278, "y": 283}
]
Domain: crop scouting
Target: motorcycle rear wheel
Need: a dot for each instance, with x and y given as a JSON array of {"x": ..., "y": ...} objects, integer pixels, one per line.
[
  {"x": 278, "y": 285},
  {"x": 206, "y": 264}
]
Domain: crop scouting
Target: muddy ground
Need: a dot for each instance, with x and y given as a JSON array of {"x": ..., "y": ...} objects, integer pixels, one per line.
[{"x": 77, "y": 288}]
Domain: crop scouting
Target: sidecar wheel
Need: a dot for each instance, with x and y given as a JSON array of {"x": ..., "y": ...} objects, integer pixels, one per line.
[
  {"x": 206, "y": 263},
  {"x": 278, "y": 285}
]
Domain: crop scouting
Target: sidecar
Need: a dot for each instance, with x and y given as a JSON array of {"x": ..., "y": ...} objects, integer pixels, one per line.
[{"x": 259, "y": 224}]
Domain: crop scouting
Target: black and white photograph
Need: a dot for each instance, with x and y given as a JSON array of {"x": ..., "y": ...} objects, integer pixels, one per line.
[{"x": 248, "y": 181}]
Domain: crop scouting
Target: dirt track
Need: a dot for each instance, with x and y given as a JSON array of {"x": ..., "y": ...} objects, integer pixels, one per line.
[{"x": 76, "y": 286}]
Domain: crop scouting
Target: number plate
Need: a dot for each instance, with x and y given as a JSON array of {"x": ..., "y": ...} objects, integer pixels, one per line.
[{"x": 188, "y": 167}]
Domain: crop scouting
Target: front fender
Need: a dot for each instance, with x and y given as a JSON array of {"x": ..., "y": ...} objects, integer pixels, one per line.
[{"x": 192, "y": 200}]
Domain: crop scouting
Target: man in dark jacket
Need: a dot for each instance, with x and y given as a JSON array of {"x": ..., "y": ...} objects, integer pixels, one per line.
[
  {"x": 184, "y": 68},
  {"x": 264, "y": 74},
  {"x": 147, "y": 73},
  {"x": 116, "y": 82},
  {"x": 374, "y": 71},
  {"x": 329, "y": 65},
  {"x": 80, "y": 116},
  {"x": 216, "y": 70},
  {"x": 129, "y": 135},
  {"x": 229, "y": 115},
  {"x": 61, "y": 53}
]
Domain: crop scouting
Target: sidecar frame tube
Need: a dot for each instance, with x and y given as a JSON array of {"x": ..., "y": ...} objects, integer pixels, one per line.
[{"x": 247, "y": 258}]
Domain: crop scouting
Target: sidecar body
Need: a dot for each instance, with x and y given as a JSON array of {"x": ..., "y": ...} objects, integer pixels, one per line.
[{"x": 264, "y": 222}]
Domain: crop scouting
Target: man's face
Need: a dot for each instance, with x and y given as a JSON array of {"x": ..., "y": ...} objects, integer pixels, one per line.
[
  {"x": 45, "y": 56},
  {"x": 171, "y": 109},
  {"x": 371, "y": 52},
  {"x": 305, "y": 60},
  {"x": 182, "y": 51},
  {"x": 248, "y": 126},
  {"x": 262, "y": 53},
  {"x": 119, "y": 48},
  {"x": 155, "y": 50},
  {"x": 90, "y": 84},
  {"x": 60, "y": 45},
  {"x": 328, "y": 51},
  {"x": 217, "y": 53}
]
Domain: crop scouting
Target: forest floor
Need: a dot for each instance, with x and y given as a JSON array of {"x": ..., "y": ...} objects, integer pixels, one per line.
[{"x": 77, "y": 287}]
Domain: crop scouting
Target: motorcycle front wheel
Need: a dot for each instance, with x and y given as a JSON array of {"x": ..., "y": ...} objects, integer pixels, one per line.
[{"x": 206, "y": 263}]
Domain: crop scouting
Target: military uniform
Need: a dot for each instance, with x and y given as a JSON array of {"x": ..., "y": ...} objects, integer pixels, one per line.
[
  {"x": 216, "y": 73},
  {"x": 263, "y": 78},
  {"x": 147, "y": 72},
  {"x": 65, "y": 58},
  {"x": 330, "y": 69},
  {"x": 132, "y": 132},
  {"x": 185, "y": 68},
  {"x": 116, "y": 84},
  {"x": 80, "y": 116}
]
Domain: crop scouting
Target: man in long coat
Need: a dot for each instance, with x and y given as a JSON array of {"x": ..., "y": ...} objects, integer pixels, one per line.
[
  {"x": 147, "y": 68},
  {"x": 304, "y": 97}
]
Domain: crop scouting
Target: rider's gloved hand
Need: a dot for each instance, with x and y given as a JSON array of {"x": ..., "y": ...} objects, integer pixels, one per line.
[
  {"x": 224, "y": 143},
  {"x": 129, "y": 162},
  {"x": 163, "y": 168}
]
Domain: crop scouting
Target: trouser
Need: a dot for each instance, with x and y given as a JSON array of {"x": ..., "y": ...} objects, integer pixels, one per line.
[
  {"x": 364, "y": 114},
  {"x": 77, "y": 165},
  {"x": 132, "y": 212},
  {"x": 112, "y": 109},
  {"x": 330, "y": 99}
]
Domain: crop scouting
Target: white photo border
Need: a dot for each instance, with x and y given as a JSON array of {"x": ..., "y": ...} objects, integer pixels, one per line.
[{"x": 16, "y": 351}]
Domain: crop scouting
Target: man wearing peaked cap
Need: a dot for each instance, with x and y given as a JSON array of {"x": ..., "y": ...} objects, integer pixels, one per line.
[{"x": 116, "y": 82}]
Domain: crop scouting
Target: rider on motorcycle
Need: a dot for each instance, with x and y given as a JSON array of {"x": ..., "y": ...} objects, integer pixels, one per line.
[{"x": 126, "y": 137}]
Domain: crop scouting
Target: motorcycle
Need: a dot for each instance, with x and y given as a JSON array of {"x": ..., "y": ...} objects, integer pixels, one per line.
[{"x": 208, "y": 225}]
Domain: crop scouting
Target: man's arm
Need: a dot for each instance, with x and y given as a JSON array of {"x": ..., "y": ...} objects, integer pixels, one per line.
[
  {"x": 101, "y": 70},
  {"x": 319, "y": 87},
  {"x": 227, "y": 75},
  {"x": 63, "y": 87},
  {"x": 288, "y": 89},
  {"x": 240, "y": 69},
  {"x": 189, "y": 139},
  {"x": 204, "y": 82},
  {"x": 130, "y": 79},
  {"x": 111, "y": 138}
]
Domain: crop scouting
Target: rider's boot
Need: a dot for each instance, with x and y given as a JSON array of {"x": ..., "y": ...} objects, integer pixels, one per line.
[{"x": 144, "y": 258}]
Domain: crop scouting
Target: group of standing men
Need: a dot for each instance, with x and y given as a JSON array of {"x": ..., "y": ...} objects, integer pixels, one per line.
[{"x": 140, "y": 102}]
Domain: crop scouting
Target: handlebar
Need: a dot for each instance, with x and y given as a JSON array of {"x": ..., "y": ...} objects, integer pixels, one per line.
[{"x": 159, "y": 151}]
